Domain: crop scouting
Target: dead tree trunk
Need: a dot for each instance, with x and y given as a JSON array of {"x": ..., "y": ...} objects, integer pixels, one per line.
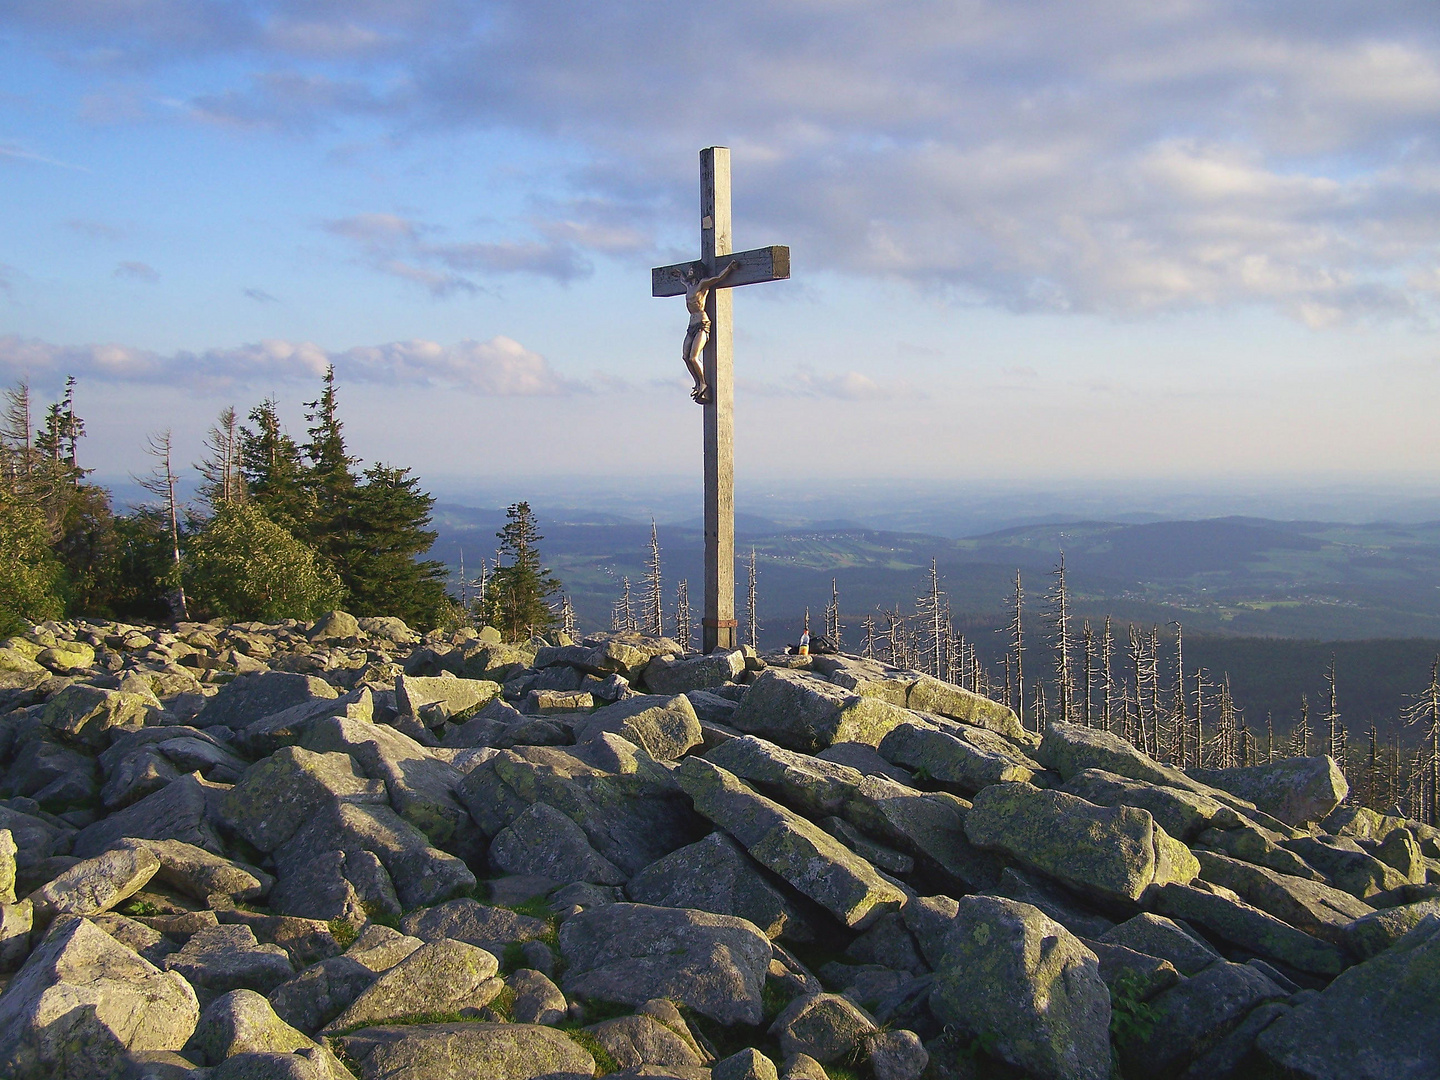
[
  {"x": 1059, "y": 617},
  {"x": 161, "y": 482},
  {"x": 653, "y": 598},
  {"x": 752, "y": 624},
  {"x": 684, "y": 630}
]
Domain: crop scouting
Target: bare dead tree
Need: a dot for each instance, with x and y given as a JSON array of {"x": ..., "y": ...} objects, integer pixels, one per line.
[
  {"x": 930, "y": 614},
  {"x": 1300, "y": 734},
  {"x": 220, "y": 467},
  {"x": 1223, "y": 750},
  {"x": 1107, "y": 676},
  {"x": 1017, "y": 647},
  {"x": 1058, "y": 617},
  {"x": 482, "y": 585},
  {"x": 161, "y": 483},
  {"x": 1412, "y": 784},
  {"x": 567, "y": 616},
  {"x": 867, "y": 645},
  {"x": 652, "y": 601},
  {"x": 1425, "y": 710},
  {"x": 622, "y": 615},
  {"x": 467, "y": 599},
  {"x": 897, "y": 637},
  {"x": 1178, "y": 718},
  {"x": 833, "y": 630},
  {"x": 957, "y": 654},
  {"x": 1140, "y": 738},
  {"x": 1248, "y": 746},
  {"x": 684, "y": 621},
  {"x": 1372, "y": 768},
  {"x": 752, "y": 619},
  {"x": 1198, "y": 740},
  {"x": 1087, "y": 638},
  {"x": 1334, "y": 730},
  {"x": 1129, "y": 715},
  {"x": 1152, "y": 673}
]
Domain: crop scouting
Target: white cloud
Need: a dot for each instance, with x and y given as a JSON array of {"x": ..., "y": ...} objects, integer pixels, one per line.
[
  {"x": 845, "y": 386},
  {"x": 500, "y": 367},
  {"x": 400, "y": 247},
  {"x": 1121, "y": 156}
]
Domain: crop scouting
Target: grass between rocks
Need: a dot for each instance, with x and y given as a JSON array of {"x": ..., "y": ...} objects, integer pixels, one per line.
[
  {"x": 964, "y": 1054},
  {"x": 773, "y": 999},
  {"x": 722, "y": 1041},
  {"x": 384, "y": 918},
  {"x": 503, "y": 1006},
  {"x": 536, "y": 907},
  {"x": 344, "y": 1058},
  {"x": 604, "y": 1063},
  {"x": 138, "y": 908},
  {"x": 411, "y": 1019},
  {"x": 344, "y": 932}
]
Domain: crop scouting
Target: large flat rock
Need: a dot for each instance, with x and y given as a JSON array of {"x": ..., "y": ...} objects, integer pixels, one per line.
[
  {"x": 249, "y": 698},
  {"x": 715, "y": 964},
  {"x": 805, "y": 712},
  {"x": 1023, "y": 983},
  {"x": 713, "y": 875},
  {"x": 801, "y": 853},
  {"x": 441, "y": 1051},
  {"x": 1115, "y": 851},
  {"x": 1378, "y": 1021},
  {"x": 1295, "y": 790},
  {"x": 81, "y": 1001}
]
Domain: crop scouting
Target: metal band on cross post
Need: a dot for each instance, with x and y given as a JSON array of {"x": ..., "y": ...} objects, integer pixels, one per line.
[{"x": 718, "y": 270}]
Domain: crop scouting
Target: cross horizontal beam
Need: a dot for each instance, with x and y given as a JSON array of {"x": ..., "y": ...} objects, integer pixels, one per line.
[{"x": 756, "y": 265}]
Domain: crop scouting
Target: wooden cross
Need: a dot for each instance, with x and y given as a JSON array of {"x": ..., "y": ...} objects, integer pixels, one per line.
[{"x": 760, "y": 264}]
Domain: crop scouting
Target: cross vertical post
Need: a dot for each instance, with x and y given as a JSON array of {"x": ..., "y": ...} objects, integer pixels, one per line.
[
  {"x": 719, "y": 269},
  {"x": 718, "y": 626}
]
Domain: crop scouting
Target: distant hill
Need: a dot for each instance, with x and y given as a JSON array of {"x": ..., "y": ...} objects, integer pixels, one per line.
[{"x": 1266, "y": 601}]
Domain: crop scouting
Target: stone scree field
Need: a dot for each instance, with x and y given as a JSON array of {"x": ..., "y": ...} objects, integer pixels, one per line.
[{"x": 305, "y": 851}]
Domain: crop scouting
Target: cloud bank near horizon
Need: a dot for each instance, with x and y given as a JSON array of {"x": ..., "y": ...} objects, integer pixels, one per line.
[{"x": 498, "y": 368}]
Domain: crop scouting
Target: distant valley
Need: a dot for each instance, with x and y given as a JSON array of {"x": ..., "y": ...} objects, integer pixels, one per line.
[{"x": 1368, "y": 593}]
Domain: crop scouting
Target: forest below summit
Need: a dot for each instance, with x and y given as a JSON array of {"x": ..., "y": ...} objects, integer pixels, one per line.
[{"x": 282, "y": 528}]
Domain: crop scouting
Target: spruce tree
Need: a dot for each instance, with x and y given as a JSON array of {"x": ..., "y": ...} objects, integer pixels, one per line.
[
  {"x": 519, "y": 590},
  {"x": 388, "y": 518},
  {"x": 329, "y": 476},
  {"x": 221, "y": 465},
  {"x": 273, "y": 473}
]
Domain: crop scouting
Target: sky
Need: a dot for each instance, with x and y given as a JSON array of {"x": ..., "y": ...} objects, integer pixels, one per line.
[{"x": 1032, "y": 242}]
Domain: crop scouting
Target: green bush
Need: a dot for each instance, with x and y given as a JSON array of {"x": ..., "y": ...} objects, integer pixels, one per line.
[
  {"x": 243, "y": 566},
  {"x": 29, "y": 572}
]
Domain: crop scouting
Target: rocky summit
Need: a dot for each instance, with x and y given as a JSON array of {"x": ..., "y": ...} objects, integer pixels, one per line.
[{"x": 317, "y": 850}]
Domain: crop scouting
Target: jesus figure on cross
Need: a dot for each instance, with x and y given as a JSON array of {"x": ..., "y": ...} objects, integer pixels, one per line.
[
  {"x": 697, "y": 291},
  {"x": 707, "y": 284}
]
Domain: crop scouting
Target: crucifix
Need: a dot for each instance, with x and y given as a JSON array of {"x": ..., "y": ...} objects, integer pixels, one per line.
[{"x": 705, "y": 284}]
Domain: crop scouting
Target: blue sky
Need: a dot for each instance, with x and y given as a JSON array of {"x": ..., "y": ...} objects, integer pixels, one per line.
[{"x": 1031, "y": 241}]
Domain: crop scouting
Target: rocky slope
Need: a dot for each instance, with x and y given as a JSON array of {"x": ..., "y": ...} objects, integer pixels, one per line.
[{"x": 302, "y": 851}]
